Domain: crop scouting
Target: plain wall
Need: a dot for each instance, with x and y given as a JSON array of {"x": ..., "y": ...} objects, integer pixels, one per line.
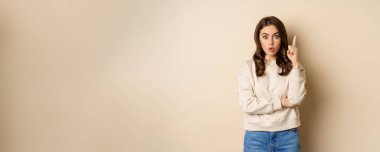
[{"x": 161, "y": 75}]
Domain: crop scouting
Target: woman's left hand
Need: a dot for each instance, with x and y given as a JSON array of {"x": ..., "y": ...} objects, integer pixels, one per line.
[
  {"x": 293, "y": 52},
  {"x": 285, "y": 103}
]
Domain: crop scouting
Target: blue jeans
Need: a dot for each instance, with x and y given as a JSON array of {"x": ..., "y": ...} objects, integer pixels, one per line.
[{"x": 278, "y": 141}]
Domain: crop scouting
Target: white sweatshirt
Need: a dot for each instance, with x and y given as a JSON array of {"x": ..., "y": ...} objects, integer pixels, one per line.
[{"x": 259, "y": 97}]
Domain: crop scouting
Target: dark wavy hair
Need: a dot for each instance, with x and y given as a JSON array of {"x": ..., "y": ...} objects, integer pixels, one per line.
[{"x": 282, "y": 59}]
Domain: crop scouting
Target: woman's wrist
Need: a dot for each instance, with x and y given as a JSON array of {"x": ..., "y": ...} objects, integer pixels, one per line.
[{"x": 295, "y": 65}]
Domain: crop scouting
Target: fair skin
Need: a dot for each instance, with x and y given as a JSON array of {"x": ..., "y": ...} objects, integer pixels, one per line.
[{"x": 270, "y": 41}]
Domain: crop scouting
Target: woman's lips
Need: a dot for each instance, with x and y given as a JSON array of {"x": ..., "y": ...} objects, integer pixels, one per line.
[{"x": 271, "y": 49}]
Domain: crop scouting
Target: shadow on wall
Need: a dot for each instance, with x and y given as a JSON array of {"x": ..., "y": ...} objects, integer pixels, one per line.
[
  {"x": 310, "y": 109},
  {"x": 3, "y": 84}
]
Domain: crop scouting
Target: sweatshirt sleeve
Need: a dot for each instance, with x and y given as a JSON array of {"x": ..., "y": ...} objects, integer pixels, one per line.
[
  {"x": 247, "y": 100},
  {"x": 297, "y": 89}
]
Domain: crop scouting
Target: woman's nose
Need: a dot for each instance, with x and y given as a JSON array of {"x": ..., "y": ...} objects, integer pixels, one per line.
[{"x": 271, "y": 42}]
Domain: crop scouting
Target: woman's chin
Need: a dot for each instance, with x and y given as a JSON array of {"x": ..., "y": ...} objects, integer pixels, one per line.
[{"x": 270, "y": 53}]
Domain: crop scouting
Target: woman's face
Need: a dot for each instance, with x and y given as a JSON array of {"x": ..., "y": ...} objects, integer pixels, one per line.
[{"x": 270, "y": 40}]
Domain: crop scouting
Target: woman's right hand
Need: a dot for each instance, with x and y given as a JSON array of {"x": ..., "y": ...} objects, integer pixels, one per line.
[{"x": 285, "y": 103}]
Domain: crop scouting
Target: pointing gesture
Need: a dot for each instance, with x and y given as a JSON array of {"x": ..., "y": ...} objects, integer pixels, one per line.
[
  {"x": 294, "y": 40},
  {"x": 293, "y": 53}
]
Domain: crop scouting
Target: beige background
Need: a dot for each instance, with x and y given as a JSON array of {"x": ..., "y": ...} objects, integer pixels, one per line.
[{"x": 160, "y": 75}]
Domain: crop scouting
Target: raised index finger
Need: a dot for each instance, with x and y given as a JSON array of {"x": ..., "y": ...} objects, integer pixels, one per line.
[{"x": 294, "y": 40}]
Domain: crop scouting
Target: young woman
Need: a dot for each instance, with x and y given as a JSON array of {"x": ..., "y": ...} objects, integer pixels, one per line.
[{"x": 271, "y": 87}]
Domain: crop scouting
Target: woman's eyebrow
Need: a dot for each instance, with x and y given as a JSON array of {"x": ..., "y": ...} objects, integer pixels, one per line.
[{"x": 272, "y": 34}]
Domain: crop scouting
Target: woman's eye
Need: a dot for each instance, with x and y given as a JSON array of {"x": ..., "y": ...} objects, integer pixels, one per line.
[
  {"x": 265, "y": 37},
  {"x": 276, "y": 36}
]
